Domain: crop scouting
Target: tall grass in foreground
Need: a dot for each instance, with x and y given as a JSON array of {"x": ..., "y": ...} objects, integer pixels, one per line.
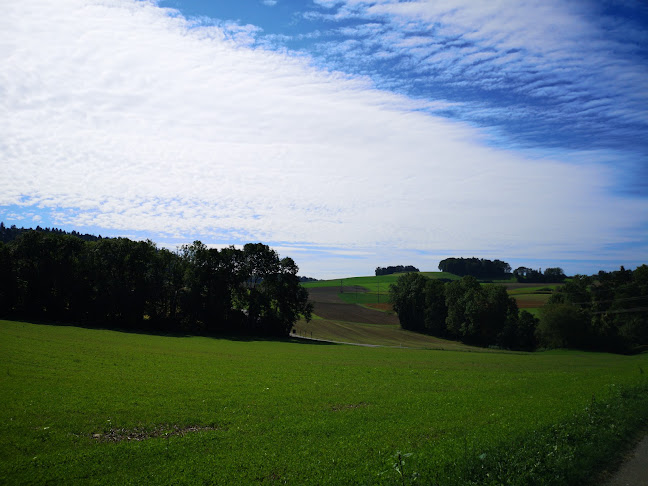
[
  {"x": 577, "y": 450},
  {"x": 81, "y": 406}
]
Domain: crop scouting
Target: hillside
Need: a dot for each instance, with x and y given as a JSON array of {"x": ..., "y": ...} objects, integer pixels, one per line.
[{"x": 357, "y": 310}]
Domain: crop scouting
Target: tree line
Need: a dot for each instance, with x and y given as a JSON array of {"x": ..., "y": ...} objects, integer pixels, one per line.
[
  {"x": 12, "y": 232},
  {"x": 116, "y": 282},
  {"x": 550, "y": 275},
  {"x": 497, "y": 269},
  {"x": 464, "y": 310},
  {"x": 605, "y": 312},
  {"x": 476, "y": 267},
  {"x": 395, "y": 269}
]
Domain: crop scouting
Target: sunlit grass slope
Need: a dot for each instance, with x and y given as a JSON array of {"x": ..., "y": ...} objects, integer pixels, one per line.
[
  {"x": 235, "y": 412},
  {"x": 373, "y": 283},
  {"x": 370, "y": 289},
  {"x": 375, "y": 334}
]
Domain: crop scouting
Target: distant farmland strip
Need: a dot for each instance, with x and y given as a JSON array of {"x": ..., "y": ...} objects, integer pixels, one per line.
[{"x": 353, "y": 313}]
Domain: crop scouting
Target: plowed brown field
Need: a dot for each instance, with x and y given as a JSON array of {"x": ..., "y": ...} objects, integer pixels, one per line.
[
  {"x": 382, "y": 307},
  {"x": 353, "y": 313},
  {"x": 328, "y": 305},
  {"x": 330, "y": 294}
]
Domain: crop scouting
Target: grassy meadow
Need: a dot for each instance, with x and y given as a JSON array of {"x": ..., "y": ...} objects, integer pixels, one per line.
[
  {"x": 373, "y": 283},
  {"x": 83, "y": 406}
]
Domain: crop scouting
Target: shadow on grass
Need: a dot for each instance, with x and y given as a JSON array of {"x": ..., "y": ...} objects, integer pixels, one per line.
[{"x": 229, "y": 336}]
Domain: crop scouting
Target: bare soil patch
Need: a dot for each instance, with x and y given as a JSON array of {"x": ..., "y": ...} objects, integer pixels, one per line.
[
  {"x": 382, "y": 307},
  {"x": 528, "y": 305},
  {"x": 330, "y": 294},
  {"x": 353, "y": 313},
  {"x": 531, "y": 301},
  {"x": 141, "y": 433},
  {"x": 513, "y": 286}
]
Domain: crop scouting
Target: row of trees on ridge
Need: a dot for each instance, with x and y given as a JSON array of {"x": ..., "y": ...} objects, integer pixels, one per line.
[
  {"x": 497, "y": 269},
  {"x": 10, "y": 233},
  {"x": 395, "y": 269},
  {"x": 476, "y": 267},
  {"x": 550, "y": 275}
]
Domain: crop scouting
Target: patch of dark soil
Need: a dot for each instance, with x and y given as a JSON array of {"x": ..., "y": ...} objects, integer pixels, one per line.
[
  {"x": 353, "y": 313},
  {"x": 529, "y": 304},
  {"x": 513, "y": 286},
  {"x": 330, "y": 294},
  {"x": 141, "y": 433},
  {"x": 385, "y": 307}
]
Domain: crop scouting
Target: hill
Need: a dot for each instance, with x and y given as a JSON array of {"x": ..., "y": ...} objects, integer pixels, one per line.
[{"x": 357, "y": 310}]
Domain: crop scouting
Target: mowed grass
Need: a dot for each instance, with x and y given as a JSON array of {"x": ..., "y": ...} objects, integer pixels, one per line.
[{"x": 273, "y": 411}]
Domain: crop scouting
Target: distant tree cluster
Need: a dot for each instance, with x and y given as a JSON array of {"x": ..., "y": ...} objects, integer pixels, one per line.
[
  {"x": 308, "y": 279},
  {"x": 550, "y": 275},
  {"x": 11, "y": 233},
  {"x": 607, "y": 312},
  {"x": 476, "y": 267},
  {"x": 395, "y": 269},
  {"x": 121, "y": 283},
  {"x": 463, "y": 310}
]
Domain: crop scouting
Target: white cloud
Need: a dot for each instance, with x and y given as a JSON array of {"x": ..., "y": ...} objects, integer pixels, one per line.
[
  {"x": 572, "y": 48},
  {"x": 119, "y": 116}
]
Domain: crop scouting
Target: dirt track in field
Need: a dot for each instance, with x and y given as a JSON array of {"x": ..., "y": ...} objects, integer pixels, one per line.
[{"x": 328, "y": 305}]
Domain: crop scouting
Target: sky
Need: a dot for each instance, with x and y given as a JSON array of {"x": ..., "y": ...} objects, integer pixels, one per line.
[{"x": 345, "y": 134}]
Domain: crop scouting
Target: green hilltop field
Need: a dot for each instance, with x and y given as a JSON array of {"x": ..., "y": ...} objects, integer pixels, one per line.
[
  {"x": 88, "y": 406},
  {"x": 370, "y": 289}
]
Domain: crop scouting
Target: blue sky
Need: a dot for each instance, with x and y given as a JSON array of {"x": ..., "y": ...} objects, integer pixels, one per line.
[{"x": 346, "y": 134}]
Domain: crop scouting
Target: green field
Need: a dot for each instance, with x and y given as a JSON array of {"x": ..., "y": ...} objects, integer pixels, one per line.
[
  {"x": 374, "y": 283},
  {"x": 81, "y": 406},
  {"x": 370, "y": 290},
  {"x": 532, "y": 298},
  {"x": 364, "y": 297}
]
